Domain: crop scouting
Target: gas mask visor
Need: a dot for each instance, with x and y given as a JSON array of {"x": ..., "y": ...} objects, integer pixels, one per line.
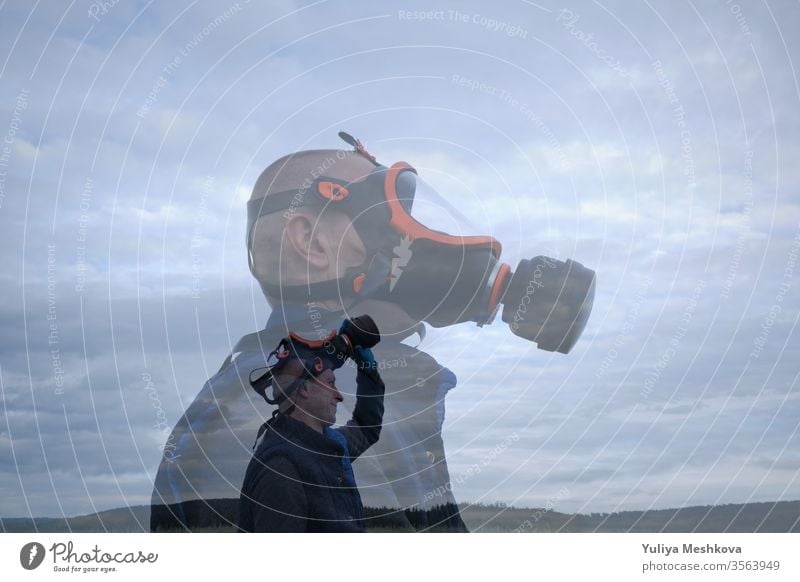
[{"x": 446, "y": 274}]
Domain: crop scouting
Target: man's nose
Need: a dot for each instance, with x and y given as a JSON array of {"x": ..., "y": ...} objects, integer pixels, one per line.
[{"x": 338, "y": 395}]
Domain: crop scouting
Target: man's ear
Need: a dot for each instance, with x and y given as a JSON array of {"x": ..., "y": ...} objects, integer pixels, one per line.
[{"x": 304, "y": 233}]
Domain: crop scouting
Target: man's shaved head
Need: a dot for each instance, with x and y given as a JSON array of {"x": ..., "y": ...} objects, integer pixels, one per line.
[
  {"x": 292, "y": 171},
  {"x": 310, "y": 244}
]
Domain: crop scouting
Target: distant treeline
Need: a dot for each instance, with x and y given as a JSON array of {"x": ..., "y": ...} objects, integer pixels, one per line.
[{"x": 782, "y": 516}]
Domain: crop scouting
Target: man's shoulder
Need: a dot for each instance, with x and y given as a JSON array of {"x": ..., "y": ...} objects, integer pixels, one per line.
[
  {"x": 276, "y": 443},
  {"x": 286, "y": 437},
  {"x": 281, "y": 465},
  {"x": 273, "y": 464}
]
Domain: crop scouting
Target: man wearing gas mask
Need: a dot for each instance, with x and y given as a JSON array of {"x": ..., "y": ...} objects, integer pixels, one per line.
[{"x": 331, "y": 233}]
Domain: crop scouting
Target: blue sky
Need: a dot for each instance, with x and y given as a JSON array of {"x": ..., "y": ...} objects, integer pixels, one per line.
[{"x": 655, "y": 143}]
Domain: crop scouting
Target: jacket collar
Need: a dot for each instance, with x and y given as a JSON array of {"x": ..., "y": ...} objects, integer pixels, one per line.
[{"x": 286, "y": 428}]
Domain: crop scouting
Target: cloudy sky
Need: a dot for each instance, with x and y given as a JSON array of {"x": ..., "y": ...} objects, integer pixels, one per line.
[{"x": 655, "y": 143}]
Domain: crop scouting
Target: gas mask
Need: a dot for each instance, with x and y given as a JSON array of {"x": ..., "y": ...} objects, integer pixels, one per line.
[{"x": 436, "y": 277}]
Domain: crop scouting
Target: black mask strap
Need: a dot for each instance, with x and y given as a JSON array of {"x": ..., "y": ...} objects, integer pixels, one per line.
[{"x": 360, "y": 281}]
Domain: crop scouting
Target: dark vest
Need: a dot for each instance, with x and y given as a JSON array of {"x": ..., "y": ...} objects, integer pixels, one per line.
[{"x": 323, "y": 464}]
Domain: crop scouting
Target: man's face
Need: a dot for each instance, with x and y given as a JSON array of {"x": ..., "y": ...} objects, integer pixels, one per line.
[{"x": 322, "y": 398}]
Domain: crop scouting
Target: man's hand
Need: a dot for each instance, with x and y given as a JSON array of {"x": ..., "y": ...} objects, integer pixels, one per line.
[{"x": 363, "y": 357}]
